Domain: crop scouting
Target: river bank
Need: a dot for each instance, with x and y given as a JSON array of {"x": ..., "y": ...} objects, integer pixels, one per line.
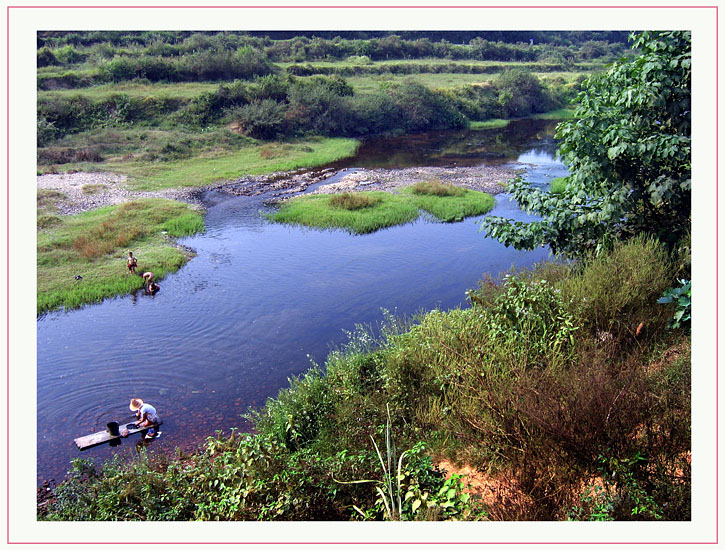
[{"x": 84, "y": 191}]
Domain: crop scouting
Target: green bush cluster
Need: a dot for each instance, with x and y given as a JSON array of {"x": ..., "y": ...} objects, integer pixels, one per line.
[
  {"x": 276, "y": 106},
  {"x": 244, "y": 63},
  {"x": 378, "y": 46},
  {"x": 58, "y": 116}
]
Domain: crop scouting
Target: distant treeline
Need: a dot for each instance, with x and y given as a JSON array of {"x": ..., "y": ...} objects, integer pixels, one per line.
[
  {"x": 276, "y": 106},
  {"x": 75, "y": 47}
]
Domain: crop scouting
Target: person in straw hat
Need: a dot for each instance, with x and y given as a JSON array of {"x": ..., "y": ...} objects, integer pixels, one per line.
[{"x": 146, "y": 414}]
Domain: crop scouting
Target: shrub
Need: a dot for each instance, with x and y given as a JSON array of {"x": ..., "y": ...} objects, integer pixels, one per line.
[
  {"x": 298, "y": 413},
  {"x": 520, "y": 93},
  {"x": 436, "y": 188},
  {"x": 532, "y": 319},
  {"x": 261, "y": 119},
  {"x": 613, "y": 294},
  {"x": 46, "y": 57},
  {"x": 68, "y": 55},
  {"x": 354, "y": 201}
]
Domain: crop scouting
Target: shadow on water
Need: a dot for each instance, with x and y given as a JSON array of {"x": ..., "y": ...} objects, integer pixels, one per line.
[{"x": 250, "y": 310}]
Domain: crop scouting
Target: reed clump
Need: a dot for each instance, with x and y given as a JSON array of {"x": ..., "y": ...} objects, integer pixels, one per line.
[
  {"x": 436, "y": 188},
  {"x": 354, "y": 201}
]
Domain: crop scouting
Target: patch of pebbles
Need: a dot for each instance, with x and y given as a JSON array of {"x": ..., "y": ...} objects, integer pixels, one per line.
[
  {"x": 479, "y": 178},
  {"x": 84, "y": 191}
]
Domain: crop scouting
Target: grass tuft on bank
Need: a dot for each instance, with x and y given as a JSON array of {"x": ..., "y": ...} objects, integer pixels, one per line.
[
  {"x": 370, "y": 211},
  {"x": 94, "y": 245},
  {"x": 449, "y": 203}
]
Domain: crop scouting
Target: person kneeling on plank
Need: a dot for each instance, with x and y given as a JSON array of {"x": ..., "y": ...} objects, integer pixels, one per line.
[{"x": 146, "y": 415}]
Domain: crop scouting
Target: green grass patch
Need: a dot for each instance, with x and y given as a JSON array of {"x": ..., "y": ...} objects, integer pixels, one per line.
[
  {"x": 95, "y": 244},
  {"x": 486, "y": 124},
  {"x": 383, "y": 210},
  {"x": 178, "y": 90},
  {"x": 260, "y": 158},
  {"x": 558, "y": 114},
  {"x": 370, "y": 211},
  {"x": 448, "y": 203},
  {"x": 557, "y": 185}
]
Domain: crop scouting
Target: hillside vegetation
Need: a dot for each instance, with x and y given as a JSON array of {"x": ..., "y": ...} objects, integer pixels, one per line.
[{"x": 130, "y": 102}]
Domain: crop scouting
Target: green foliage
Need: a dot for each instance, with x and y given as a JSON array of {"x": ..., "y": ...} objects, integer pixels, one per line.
[
  {"x": 628, "y": 150},
  {"x": 520, "y": 93},
  {"x": 298, "y": 413},
  {"x": 263, "y": 119},
  {"x": 612, "y": 294},
  {"x": 417, "y": 491},
  {"x": 557, "y": 185},
  {"x": 46, "y": 57},
  {"x": 682, "y": 298},
  {"x": 479, "y": 386},
  {"x": 532, "y": 318}
]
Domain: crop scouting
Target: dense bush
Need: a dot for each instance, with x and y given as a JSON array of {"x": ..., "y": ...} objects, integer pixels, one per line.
[
  {"x": 520, "y": 93},
  {"x": 46, "y": 57},
  {"x": 77, "y": 113},
  {"x": 263, "y": 119},
  {"x": 245, "y": 63}
]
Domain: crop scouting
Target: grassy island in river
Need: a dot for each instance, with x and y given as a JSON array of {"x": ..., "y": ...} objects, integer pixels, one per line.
[{"x": 369, "y": 211}]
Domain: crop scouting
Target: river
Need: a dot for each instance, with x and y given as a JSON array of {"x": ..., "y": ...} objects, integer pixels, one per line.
[{"x": 260, "y": 300}]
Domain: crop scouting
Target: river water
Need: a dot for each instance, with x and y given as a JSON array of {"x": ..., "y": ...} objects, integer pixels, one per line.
[{"x": 260, "y": 300}]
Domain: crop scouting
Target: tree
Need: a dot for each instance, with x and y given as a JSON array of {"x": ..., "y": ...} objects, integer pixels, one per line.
[{"x": 628, "y": 153}]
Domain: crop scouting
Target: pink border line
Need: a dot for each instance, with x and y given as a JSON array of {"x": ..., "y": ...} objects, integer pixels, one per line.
[
  {"x": 717, "y": 276},
  {"x": 717, "y": 118},
  {"x": 7, "y": 265},
  {"x": 370, "y": 7}
]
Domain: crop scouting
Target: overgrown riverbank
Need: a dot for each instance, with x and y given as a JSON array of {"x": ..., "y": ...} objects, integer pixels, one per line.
[{"x": 562, "y": 386}]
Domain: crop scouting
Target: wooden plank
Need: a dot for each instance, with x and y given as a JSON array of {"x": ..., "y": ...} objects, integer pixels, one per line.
[{"x": 98, "y": 438}]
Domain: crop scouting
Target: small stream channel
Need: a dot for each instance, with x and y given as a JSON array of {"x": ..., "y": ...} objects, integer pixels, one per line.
[{"x": 227, "y": 330}]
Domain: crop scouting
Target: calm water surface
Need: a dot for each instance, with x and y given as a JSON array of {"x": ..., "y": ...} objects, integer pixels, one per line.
[{"x": 256, "y": 303}]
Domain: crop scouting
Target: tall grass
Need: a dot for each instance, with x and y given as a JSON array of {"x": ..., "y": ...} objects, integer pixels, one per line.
[{"x": 94, "y": 245}]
